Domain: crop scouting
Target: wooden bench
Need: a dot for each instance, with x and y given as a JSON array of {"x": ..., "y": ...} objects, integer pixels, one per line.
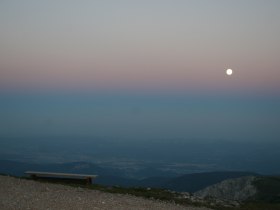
[{"x": 61, "y": 176}]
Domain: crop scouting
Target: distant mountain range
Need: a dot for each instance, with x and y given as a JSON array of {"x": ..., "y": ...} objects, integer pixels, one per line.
[{"x": 111, "y": 176}]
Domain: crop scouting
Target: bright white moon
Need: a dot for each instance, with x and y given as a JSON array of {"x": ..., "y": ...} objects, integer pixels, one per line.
[{"x": 229, "y": 72}]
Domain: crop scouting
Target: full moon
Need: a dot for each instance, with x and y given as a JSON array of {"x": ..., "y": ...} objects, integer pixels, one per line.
[{"x": 229, "y": 72}]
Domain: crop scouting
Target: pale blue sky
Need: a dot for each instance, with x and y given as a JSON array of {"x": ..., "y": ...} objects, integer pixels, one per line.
[{"x": 119, "y": 58}]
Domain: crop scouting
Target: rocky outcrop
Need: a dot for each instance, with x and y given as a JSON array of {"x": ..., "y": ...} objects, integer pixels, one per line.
[{"x": 239, "y": 189}]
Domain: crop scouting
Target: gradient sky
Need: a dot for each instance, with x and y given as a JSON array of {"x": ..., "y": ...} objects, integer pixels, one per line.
[{"x": 161, "y": 63}]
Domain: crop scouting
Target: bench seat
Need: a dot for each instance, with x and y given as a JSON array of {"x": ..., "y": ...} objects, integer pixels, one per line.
[{"x": 67, "y": 176}]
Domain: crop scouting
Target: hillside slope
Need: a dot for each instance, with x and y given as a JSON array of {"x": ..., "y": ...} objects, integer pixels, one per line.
[{"x": 18, "y": 193}]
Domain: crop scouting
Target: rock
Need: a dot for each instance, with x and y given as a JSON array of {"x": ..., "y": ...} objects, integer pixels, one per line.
[{"x": 239, "y": 189}]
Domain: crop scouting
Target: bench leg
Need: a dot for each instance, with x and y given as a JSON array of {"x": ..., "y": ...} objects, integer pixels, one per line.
[
  {"x": 33, "y": 176},
  {"x": 89, "y": 180}
]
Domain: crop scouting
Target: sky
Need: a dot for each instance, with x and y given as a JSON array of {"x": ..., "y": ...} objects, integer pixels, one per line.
[{"x": 148, "y": 69}]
